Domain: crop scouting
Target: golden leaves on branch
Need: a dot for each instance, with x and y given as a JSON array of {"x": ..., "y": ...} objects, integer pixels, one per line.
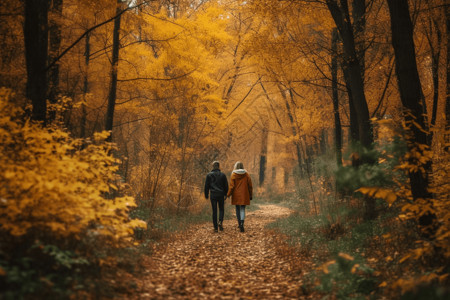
[{"x": 50, "y": 182}]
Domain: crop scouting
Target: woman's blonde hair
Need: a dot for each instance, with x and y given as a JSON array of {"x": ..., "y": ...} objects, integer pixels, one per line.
[{"x": 238, "y": 165}]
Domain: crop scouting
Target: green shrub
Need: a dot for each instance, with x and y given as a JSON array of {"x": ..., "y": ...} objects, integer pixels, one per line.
[
  {"x": 41, "y": 270},
  {"x": 346, "y": 278}
]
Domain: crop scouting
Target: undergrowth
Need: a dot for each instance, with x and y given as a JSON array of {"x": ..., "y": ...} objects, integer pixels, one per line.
[
  {"x": 337, "y": 251},
  {"x": 356, "y": 257}
]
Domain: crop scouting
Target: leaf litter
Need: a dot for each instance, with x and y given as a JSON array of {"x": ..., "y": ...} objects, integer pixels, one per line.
[{"x": 201, "y": 264}]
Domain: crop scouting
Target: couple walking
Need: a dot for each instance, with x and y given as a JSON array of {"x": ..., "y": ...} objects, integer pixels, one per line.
[{"x": 240, "y": 190}]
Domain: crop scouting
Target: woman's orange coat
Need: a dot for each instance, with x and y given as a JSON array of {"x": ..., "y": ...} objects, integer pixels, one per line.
[{"x": 240, "y": 189}]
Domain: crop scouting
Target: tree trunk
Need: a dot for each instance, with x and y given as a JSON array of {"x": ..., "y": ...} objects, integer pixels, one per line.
[
  {"x": 359, "y": 27},
  {"x": 351, "y": 65},
  {"x": 411, "y": 95},
  {"x": 434, "y": 38},
  {"x": 323, "y": 142},
  {"x": 353, "y": 75},
  {"x": 115, "y": 65},
  {"x": 294, "y": 133},
  {"x": 285, "y": 178},
  {"x": 87, "y": 53},
  {"x": 354, "y": 125},
  {"x": 435, "y": 57},
  {"x": 262, "y": 168},
  {"x": 36, "y": 54},
  {"x": 309, "y": 173},
  {"x": 55, "y": 44},
  {"x": 274, "y": 175},
  {"x": 447, "y": 99},
  {"x": 263, "y": 155},
  {"x": 359, "y": 21},
  {"x": 334, "y": 88}
]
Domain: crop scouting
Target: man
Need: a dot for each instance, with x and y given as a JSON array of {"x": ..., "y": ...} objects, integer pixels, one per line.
[{"x": 216, "y": 186}]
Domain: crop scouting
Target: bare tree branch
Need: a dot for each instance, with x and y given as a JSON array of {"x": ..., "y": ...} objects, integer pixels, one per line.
[
  {"x": 158, "y": 79},
  {"x": 88, "y": 31},
  {"x": 245, "y": 97}
]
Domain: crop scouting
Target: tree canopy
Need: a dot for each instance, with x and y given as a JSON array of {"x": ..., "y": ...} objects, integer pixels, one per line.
[{"x": 111, "y": 110}]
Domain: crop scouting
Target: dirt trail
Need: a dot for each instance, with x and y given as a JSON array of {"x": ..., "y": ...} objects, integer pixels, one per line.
[{"x": 202, "y": 264}]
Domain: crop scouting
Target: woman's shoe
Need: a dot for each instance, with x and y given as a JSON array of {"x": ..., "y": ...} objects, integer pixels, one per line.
[
  {"x": 220, "y": 226},
  {"x": 241, "y": 226}
]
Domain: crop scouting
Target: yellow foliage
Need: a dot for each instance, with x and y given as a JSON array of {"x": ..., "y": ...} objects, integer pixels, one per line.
[
  {"x": 346, "y": 256},
  {"x": 54, "y": 183},
  {"x": 325, "y": 266},
  {"x": 408, "y": 284},
  {"x": 437, "y": 245},
  {"x": 354, "y": 268},
  {"x": 377, "y": 192}
]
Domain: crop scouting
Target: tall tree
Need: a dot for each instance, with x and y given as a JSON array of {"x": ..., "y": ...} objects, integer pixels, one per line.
[
  {"x": 87, "y": 54},
  {"x": 335, "y": 96},
  {"x": 54, "y": 48},
  {"x": 353, "y": 114},
  {"x": 359, "y": 28},
  {"x": 359, "y": 21},
  {"x": 295, "y": 133},
  {"x": 433, "y": 29},
  {"x": 114, "y": 67},
  {"x": 411, "y": 95},
  {"x": 447, "y": 99},
  {"x": 36, "y": 54},
  {"x": 351, "y": 64},
  {"x": 263, "y": 154},
  {"x": 435, "y": 58}
]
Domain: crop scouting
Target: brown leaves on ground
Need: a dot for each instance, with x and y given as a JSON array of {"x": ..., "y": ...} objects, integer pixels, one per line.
[{"x": 225, "y": 265}]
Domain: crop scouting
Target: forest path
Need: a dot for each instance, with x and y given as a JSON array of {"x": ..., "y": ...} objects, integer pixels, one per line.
[{"x": 201, "y": 264}]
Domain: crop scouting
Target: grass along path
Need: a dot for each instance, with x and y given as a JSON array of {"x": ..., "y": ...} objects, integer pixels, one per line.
[{"x": 201, "y": 264}]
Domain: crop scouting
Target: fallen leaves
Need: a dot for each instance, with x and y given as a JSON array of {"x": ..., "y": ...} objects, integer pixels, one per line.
[{"x": 225, "y": 265}]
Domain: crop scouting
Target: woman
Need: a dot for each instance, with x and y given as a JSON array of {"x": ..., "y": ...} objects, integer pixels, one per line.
[{"x": 241, "y": 191}]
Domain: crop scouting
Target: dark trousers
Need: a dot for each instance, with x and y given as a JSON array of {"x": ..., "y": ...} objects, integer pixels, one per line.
[{"x": 220, "y": 202}]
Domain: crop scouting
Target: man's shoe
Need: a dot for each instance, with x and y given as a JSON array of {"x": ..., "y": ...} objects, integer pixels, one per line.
[
  {"x": 215, "y": 230},
  {"x": 220, "y": 226}
]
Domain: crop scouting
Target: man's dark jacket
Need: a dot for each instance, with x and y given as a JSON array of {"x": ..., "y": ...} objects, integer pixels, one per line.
[{"x": 216, "y": 184}]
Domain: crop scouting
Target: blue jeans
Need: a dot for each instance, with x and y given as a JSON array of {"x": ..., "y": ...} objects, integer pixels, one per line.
[
  {"x": 240, "y": 212},
  {"x": 214, "y": 202}
]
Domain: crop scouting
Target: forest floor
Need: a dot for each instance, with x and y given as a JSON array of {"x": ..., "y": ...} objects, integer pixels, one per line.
[{"x": 201, "y": 264}]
